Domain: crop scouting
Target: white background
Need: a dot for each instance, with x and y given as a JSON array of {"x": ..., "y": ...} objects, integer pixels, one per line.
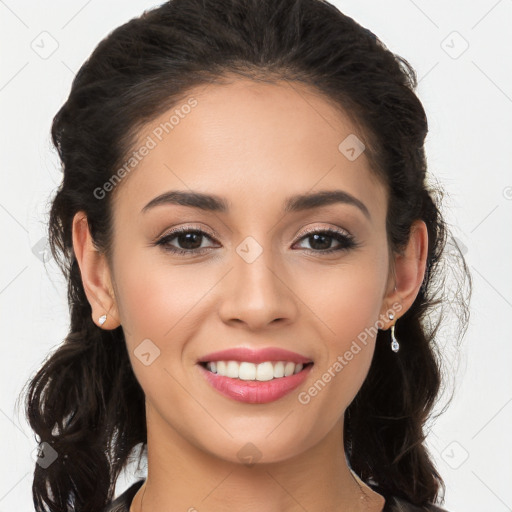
[{"x": 468, "y": 99}]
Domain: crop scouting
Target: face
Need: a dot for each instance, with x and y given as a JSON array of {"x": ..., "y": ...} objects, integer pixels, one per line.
[{"x": 311, "y": 280}]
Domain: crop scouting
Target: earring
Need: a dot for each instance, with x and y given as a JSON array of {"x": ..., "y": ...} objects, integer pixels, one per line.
[
  {"x": 394, "y": 343},
  {"x": 102, "y": 319}
]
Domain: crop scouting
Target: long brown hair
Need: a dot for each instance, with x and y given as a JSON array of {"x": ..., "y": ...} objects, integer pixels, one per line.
[{"x": 85, "y": 401}]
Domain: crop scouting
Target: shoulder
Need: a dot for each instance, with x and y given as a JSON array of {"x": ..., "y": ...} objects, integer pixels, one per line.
[
  {"x": 394, "y": 504},
  {"x": 122, "y": 502}
]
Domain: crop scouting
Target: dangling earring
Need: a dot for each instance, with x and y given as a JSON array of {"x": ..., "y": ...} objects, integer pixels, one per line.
[
  {"x": 102, "y": 319},
  {"x": 394, "y": 343}
]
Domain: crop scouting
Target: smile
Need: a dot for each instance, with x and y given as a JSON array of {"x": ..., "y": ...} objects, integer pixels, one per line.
[
  {"x": 254, "y": 384},
  {"x": 246, "y": 370}
]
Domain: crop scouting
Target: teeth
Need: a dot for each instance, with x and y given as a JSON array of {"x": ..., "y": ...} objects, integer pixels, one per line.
[{"x": 249, "y": 371}]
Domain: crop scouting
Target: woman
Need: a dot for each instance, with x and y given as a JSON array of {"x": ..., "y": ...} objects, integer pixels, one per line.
[{"x": 251, "y": 250}]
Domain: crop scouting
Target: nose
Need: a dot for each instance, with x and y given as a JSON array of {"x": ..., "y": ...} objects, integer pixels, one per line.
[{"x": 258, "y": 294}]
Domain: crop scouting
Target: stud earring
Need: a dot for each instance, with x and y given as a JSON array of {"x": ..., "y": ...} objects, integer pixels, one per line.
[
  {"x": 395, "y": 346},
  {"x": 102, "y": 319}
]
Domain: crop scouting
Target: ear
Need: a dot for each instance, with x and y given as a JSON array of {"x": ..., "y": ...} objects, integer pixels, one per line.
[
  {"x": 408, "y": 271},
  {"x": 95, "y": 273}
]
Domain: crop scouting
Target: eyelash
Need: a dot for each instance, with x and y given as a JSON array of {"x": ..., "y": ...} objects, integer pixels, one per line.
[{"x": 347, "y": 241}]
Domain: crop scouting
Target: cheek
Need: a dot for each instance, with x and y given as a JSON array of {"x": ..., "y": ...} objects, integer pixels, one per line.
[
  {"x": 155, "y": 299},
  {"x": 162, "y": 302},
  {"x": 156, "y": 307},
  {"x": 346, "y": 299},
  {"x": 347, "y": 304}
]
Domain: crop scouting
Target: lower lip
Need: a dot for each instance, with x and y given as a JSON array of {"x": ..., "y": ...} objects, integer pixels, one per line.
[{"x": 255, "y": 392}]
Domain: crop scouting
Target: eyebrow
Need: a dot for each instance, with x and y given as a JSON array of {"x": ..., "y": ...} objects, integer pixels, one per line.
[{"x": 296, "y": 203}]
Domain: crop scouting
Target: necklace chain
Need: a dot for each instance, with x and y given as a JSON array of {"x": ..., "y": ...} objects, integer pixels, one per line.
[{"x": 363, "y": 494}]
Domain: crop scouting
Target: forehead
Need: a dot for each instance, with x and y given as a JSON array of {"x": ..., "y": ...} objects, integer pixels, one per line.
[{"x": 247, "y": 140}]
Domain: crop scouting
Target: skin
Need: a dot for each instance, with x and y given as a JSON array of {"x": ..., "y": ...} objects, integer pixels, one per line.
[{"x": 254, "y": 144}]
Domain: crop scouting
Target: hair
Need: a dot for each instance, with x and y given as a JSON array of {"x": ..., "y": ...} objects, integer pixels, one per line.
[{"x": 85, "y": 401}]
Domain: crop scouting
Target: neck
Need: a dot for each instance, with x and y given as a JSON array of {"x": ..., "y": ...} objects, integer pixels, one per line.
[{"x": 183, "y": 477}]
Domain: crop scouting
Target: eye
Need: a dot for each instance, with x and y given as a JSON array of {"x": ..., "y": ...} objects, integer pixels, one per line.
[
  {"x": 189, "y": 238},
  {"x": 322, "y": 239},
  {"x": 191, "y": 241}
]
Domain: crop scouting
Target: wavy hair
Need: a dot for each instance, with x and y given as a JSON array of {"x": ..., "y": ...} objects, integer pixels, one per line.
[{"x": 85, "y": 401}]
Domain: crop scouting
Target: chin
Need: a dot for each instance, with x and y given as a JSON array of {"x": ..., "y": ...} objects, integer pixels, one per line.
[{"x": 258, "y": 450}]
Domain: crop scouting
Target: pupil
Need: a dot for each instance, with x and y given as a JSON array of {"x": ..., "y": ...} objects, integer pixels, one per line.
[
  {"x": 189, "y": 240},
  {"x": 325, "y": 245}
]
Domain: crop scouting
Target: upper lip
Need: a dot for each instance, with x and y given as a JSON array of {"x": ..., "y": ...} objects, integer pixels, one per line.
[{"x": 255, "y": 356}]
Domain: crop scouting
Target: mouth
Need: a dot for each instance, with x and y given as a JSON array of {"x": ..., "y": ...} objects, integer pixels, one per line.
[
  {"x": 255, "y": 372},
  {"x": 251, "y": 383}
]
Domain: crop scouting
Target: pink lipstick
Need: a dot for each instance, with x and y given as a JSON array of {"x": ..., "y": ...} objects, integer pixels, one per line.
[{"x": 255, "y": 376}]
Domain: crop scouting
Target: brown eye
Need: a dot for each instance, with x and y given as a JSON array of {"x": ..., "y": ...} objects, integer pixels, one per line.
[
  {"x": 189, "y": 240},
  {"x": 320, "y": 241}
]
